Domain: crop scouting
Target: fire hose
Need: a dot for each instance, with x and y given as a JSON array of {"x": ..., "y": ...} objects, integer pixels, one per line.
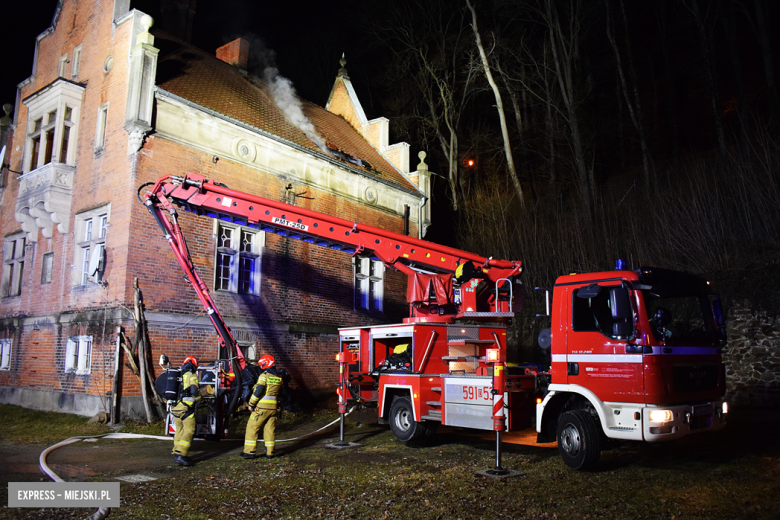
[{"x": 103, "y": 512}]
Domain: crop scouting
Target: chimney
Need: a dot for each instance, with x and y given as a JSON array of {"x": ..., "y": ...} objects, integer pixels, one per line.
[{"x": 235, "y": 53}]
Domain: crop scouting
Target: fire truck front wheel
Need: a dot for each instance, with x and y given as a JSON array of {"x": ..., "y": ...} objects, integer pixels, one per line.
[
  {"x": 402, "y": 421},
  {"x": 579, "y": 441}
]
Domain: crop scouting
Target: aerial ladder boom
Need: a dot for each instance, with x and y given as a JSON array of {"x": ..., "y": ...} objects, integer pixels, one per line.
[{"x": 444, "y": 283}]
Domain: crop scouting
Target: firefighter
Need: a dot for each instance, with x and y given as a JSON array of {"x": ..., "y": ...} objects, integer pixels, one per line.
[
  {"x": 184, "y": 411},
  {"x": 263, "y": 405}
]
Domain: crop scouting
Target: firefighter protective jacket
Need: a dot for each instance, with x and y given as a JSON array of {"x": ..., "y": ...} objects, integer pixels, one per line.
[
  {"x": 190, "y": 393},
  {"x": 266, "y": 390}
]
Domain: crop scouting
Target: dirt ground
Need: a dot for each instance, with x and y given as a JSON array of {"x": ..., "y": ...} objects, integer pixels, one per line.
[
  {"x": 734, "y": 473},
  {"x": 88, "y": 460}
]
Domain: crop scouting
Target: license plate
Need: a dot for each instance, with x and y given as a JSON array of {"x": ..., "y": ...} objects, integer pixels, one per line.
[{"x": 698, "y": 411}]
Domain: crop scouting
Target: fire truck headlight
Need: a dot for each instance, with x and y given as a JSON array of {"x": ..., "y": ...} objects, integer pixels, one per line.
[
  {"x": 725, "y": 407},
  {"x": 660, "y": 416}
]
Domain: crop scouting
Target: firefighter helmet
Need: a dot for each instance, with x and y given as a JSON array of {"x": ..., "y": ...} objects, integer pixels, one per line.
[
  {"x": 190, "y": 359},
  {"x": 266, "y": 361}
]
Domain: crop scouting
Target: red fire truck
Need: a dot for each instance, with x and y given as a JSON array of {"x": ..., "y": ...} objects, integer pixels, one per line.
[{"x": 635, "y": 355}]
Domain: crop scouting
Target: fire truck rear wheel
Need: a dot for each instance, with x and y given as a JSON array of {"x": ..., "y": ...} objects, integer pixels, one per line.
[
  {"x": 402, "y": 422},
  {"x": 579, "y": 442}
]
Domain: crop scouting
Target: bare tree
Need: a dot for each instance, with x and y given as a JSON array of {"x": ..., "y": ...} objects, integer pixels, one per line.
[
  {"x": 429, "y": 47},
  {"x": 766, "y": 55},
  {"x": 564, "y": 46},
  {"x": 499, "y": 107},
  {"x": 630, "y": 93},
  {"x": 705, "y": 36}
]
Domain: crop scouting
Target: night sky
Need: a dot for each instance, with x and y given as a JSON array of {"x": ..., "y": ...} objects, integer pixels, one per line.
[{"x": 311, "y": 34}]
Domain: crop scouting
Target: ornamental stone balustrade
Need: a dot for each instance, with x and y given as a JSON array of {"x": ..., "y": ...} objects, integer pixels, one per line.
[{"x": 45, "y": 196}]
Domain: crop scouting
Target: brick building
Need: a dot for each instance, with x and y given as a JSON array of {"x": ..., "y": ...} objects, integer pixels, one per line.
[{"x": 112, "y": 104}]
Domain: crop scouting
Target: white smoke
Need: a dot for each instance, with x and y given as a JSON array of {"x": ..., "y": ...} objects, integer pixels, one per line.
[
  {"x": 288, "y": 102},
  {"x": 261, "y": 58}
]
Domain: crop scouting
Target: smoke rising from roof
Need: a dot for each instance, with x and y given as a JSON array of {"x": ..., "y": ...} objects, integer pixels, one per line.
[{"x": 282, "y": 89}]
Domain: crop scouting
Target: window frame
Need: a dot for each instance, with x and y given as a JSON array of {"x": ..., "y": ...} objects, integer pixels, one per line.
[
  {"x": 62, "y": 65},
  {"x": 230, "y": 274},
  {"x": 78, "y": 355},
  {"x": 48, "y": 141},
  {"x": 368, "y": 276},
  {"x": 91, "y": 232},
  {"x": 6, "y": 350},
  {"x": 100, "y": 127},
  {"x": 47, "y": 258},
  {"x": 14, "y": 252},
  {"x": 75, "y": 64},
  {"x": 586, "y": 317}
]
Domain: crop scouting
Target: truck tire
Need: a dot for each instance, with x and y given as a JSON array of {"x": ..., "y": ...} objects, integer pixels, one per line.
[
  {"x": 579, "y": 441},
  {"x": 402, "y": 421}
]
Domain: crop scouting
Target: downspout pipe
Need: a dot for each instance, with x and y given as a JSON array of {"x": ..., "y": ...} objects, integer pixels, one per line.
[{"x": 423, "y": 200}]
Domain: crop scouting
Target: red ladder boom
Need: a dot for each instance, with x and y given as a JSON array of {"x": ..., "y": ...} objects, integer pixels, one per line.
[{"x": 483, "y": 287}]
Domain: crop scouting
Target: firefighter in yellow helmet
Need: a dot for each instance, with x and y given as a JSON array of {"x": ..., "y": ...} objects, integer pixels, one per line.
[
  {"x": 184, "y": 411},
  {"x": 263, "y": 405}
]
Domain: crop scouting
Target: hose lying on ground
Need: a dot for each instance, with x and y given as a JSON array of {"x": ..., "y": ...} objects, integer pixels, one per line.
[{"x": 103, "y": 512}]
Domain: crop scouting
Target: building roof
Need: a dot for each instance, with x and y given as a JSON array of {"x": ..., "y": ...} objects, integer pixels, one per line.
[{"x": 194, "y": 75}]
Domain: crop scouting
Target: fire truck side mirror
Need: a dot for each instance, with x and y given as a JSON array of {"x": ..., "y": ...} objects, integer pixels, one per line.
[{"x": 620, "y": 303}]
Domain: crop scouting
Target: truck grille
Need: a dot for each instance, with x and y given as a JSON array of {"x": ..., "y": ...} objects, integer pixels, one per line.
[{"x": 695, "y": 378}]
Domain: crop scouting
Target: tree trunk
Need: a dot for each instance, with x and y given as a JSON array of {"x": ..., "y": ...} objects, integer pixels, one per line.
[
  {"x": 520, "y": 130},
  {"x": 563, "y": 61},
  {"x": 671, "y": 93},
  {"x": 499, "y": 107},
  {"x": 634, "y": 105},
  {"x": 766, "y": 54},
  {"x": 709, "y": 75},
  {"x": 736, "y": 68}
]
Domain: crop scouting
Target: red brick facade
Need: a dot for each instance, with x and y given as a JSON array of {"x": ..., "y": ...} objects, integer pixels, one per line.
[{"x": 306, "y": 292}]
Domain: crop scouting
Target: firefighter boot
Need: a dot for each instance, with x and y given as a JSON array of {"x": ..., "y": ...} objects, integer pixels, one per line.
[
  {"x": 247, "y": 456},
  {"x": 181, "y": 460}
]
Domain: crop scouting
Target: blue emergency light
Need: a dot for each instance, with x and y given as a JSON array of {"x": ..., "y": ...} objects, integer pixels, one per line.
[{"x": 620, "y": 265}]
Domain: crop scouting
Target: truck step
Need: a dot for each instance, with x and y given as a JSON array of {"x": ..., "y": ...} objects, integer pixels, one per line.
[
  {"x": 436, "y": 389},
  {"x": 433, "y": 403},
  {"x": 462, "y": 359},
  {"x": 432, "y": 416}
]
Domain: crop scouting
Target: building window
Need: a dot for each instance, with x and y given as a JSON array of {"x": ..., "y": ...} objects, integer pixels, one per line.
[
  {"x": 238, "y": 259},
  {"x": 74, "y": 68},
  {"x": 53, "y": 115},
  {"x": 47, "y": 265},
  {"x": 78, "y": 355},
  {"x": 249, "y": 351},
  {"x": 62, "y": 65},
  {"x": 369, "y": 284},
  {"x": 100, "y": 130},
  {"x": 91, "y": 232},
  {"x": 5, "y": 354},
  {"x": 13, "y": 265}
]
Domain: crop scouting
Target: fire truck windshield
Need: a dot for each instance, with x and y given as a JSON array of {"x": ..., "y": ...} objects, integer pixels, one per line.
[{"x": 684, "y": 320}]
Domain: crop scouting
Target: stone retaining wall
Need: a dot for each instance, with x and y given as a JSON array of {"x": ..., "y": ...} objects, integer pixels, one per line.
[{"x": 752, "y": 358}]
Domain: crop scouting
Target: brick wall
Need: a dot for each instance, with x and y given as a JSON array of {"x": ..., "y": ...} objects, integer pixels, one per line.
[{"x": 306, "y": 291}]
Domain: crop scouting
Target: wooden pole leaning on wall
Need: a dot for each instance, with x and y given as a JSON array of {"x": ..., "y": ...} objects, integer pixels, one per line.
[
  {"x": 115, "y": 386},
  {"x": 144, "y": 348},
  {"x": 139, "y": 335}
]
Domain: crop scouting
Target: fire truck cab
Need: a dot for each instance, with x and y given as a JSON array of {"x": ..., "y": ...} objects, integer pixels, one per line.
[{"x": 635, "y": 356}]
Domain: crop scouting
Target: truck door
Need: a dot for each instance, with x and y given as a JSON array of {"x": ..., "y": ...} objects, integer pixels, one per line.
[{"x": 601, "y": 325}]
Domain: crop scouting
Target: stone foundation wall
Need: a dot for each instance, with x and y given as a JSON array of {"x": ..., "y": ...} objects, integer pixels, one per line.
[{"x": 752, "y": 358}]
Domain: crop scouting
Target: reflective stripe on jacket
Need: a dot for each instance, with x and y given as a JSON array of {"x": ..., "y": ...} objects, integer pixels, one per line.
[
  {"x": 272, "y": 384},
  {"x": 190, "y": 390}
]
